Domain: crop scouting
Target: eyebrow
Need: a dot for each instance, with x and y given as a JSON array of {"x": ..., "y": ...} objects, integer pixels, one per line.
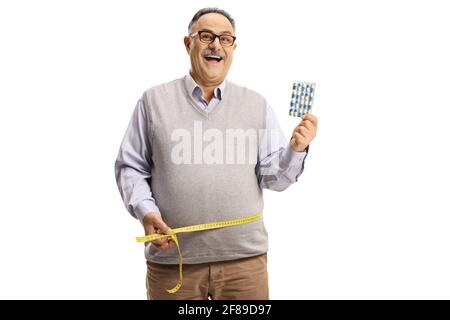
[{"x": 223, "y": 32}]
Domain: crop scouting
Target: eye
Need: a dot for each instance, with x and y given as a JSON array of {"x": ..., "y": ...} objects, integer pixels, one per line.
[
  {"x": 206, "y": 36},
  {"x": 226, "y": 40}
]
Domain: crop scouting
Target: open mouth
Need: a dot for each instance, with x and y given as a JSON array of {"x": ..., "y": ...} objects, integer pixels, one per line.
[{"x": 213, "y": 59}]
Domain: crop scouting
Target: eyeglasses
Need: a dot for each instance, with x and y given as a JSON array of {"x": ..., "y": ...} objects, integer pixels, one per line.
[{"x": 209, "y": 37}]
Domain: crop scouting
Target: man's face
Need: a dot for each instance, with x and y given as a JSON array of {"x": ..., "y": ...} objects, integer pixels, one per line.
[{"x": 206, "y": 69}]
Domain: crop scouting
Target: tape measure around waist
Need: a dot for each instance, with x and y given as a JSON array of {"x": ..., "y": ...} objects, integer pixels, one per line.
[{"x": 194, "y": 228}]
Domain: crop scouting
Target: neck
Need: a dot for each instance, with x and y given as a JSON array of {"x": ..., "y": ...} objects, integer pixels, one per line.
[{"x": 207, "y": 87}]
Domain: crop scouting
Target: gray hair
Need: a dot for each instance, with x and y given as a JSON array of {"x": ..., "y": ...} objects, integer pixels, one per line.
[{"x": 204, "y": 11}]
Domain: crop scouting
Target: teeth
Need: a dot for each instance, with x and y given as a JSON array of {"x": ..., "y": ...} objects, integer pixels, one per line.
[{"x": 215, "y": 57}]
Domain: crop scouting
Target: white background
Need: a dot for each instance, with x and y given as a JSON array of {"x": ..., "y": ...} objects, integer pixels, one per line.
[{"x": 368, "y": 219}]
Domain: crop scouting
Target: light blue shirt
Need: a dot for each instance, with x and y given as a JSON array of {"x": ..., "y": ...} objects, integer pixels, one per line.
[{"x": 277, "y": 168}]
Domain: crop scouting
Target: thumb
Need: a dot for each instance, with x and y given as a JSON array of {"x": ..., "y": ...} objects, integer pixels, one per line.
[{"x": 158, "y": 223}]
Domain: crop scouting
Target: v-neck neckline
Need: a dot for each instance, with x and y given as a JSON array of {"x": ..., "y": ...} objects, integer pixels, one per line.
[{"x": 207, "y": 114}]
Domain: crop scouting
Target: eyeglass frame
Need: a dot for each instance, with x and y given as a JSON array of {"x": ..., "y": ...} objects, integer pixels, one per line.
[{"x": 198, "y": 33}]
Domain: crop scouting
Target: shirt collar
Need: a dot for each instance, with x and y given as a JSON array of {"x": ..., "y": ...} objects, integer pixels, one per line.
[{"x": 192, "y": 86}]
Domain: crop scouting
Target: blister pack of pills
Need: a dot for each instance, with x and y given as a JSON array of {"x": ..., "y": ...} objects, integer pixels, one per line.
[{"x": 302, "y": 98}]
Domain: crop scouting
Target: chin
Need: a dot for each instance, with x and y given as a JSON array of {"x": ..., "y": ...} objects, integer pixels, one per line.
[{"x": 213, "y": 75}]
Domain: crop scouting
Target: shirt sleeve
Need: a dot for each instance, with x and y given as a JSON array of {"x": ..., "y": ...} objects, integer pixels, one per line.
[
  {"x": 132, "y": 166},
  {"x": 279, "y": 165}
]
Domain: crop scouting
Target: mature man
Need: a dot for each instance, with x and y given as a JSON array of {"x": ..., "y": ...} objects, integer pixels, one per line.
[{"x": 169, "y": 177}]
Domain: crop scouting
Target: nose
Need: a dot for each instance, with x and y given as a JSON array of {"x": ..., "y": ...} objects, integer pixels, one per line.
[{"x": 215, "y": 43}]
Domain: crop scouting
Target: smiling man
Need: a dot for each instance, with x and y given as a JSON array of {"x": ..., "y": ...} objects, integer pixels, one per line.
[
  {"x": 212, "y": 54},
  {"x": 168, "y": 187}
]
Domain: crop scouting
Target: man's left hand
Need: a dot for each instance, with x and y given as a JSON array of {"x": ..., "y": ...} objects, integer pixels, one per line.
[{"x": 304, "y": 133}]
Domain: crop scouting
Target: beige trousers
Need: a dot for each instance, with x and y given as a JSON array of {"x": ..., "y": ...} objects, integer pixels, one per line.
[{"x": 242, "y": 279}]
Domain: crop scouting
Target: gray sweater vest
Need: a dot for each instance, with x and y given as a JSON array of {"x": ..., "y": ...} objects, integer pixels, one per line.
[{"x": 199, "y": 189}]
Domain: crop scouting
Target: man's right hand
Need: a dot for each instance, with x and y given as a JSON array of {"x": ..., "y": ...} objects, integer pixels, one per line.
[{"x": 153, "y": 223}]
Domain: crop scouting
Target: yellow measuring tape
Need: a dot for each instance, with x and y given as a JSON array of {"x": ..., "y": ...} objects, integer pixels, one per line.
[{"x": 197, "y": 227}]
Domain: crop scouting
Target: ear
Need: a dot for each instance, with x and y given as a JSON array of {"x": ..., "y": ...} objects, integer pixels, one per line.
[
  {"x": 235, "y": 45},
  {"x": 187, "y": 44}
]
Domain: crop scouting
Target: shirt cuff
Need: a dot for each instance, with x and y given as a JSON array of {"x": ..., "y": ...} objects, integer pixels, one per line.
[
  {"x": 291, "y": 158},
  {"x": 145, "y": 207}
]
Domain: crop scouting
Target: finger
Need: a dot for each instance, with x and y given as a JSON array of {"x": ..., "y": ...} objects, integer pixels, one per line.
[
  {"x": 170, "y": 243},
  {"x": 307, "y": 132},
  {"x": 158, "y": 246},
  {"x": 311, "y": 118},
  {"x": 150, "y": 229},
  {"x": 307, "y": 123},
  {"x": 161, "y": 226},
  {"x": 164, "y": 240},
  {"x": 303, "y": 131},
  {"x": 299, "y": 139},
  {"x": 160, "y": 242},
  {"x": 165, "y": 245}
]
